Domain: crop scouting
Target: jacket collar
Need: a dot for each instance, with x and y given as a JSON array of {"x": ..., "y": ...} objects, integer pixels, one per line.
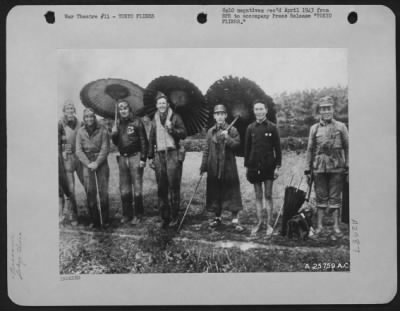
[
  {"x": 130, "y": 118},
  {"x": 216, "y": 127},
  {"x": 96, "y": 127},
  {"x": 72, "y": 124},
  {"x": 265, "y": 121},
  {"x": 323, "y": 123}
]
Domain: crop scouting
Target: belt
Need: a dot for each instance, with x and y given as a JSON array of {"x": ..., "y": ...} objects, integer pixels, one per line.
[
  {"x": 168, "y": 149},
  {"x": 129, "y": 154}
]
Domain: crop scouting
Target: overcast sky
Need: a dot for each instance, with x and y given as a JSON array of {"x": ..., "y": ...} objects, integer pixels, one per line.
[{"x": 275, "y": 70}]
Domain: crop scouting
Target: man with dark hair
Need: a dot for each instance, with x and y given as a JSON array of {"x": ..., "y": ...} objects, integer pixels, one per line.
[
  {"x": 262, "y": 157},
  {"x": 69, "y": 126},
  {"x": 327, "y": 160},
  {"x": 92, "y": 148},
  {"x": 219, "y": 162},
  {"x": 129, "y": 136},
  {"x": 166, "y": 131}
]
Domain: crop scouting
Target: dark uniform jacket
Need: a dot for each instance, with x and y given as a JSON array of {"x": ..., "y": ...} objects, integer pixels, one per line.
[
  {"x": 178, "y": 132},
  {"x": 223, "y": 185},
  {"x": 131, "y": 137},
  {"x": 262, "y": 146}
]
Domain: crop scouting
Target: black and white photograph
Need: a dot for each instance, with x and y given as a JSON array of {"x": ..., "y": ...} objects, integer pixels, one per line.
[
  {"x": 201, "y": 155},
  {"x": 203, "y": 160}
]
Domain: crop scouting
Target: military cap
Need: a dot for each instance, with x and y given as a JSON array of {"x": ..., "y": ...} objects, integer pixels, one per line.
[
  {"x": 219, "y": 108},
  {"x": 326, "y": 101}
]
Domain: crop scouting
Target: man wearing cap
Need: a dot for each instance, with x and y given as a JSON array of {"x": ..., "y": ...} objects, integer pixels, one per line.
[
  {"x": 262, "y": 158},
  {"x": 166, "y": 131},
  {"x": 92, "y": 148},
  {"x": 69, "y": 126},
  {"x": 219, "y": 162},
  {"x": 327, "y": 159},
  {"x": 129, "y": 136}
]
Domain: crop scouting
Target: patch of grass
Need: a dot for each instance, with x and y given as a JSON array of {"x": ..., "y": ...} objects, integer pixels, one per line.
[
  {"x": 153, "y": 255},
  {"x": 158, "y": 252}
]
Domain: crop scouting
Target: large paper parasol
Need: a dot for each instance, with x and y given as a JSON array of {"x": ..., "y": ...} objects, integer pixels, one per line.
[
  {"x": 238, "y": 95},
  {"x": 185, "y": 98},
  {"x": 102, "y": 96}
]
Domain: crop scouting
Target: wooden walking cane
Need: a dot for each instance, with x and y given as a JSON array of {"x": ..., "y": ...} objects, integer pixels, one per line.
[
  {"x": 190, "y": 202},
  {"x": 98, "y": 199}
]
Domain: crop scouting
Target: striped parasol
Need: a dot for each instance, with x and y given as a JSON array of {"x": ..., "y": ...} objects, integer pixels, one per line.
[
  {"x": 185, "y": 98},
  {"x": 102, "y": 96}
]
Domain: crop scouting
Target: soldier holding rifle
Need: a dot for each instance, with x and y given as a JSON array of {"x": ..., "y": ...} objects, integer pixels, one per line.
[{"x": 219, "y": 162}]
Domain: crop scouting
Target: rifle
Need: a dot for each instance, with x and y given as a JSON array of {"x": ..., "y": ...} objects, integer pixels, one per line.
[{"x": 227, "y": 129}]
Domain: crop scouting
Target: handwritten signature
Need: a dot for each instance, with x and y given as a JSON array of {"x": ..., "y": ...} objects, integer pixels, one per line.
[{"x": 16, "y": 256}]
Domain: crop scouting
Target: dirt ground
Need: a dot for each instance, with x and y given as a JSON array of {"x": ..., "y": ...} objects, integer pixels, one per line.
[{"x": 197, "y": 248}]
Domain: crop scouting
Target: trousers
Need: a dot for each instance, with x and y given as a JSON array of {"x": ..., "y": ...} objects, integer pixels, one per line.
[
  {"x": 130, "y": 173},
  {"x": 328, "y": 189},
  {"x": 168, "y": 170},
  {"x": 72, "y": 165}
]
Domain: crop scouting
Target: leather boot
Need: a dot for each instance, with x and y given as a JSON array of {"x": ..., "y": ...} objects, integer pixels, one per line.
[
  {"x": 127, "y": 210},
  {"x": 139, "y": 211}
]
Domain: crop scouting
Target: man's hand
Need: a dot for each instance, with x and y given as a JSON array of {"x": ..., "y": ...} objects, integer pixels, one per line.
[
  {"x": 114, "y": 129},
  {"x": 142, "y": 164},
  {"x": 224, "y": 133},
  {"x": 64, "y": 154},
  {"x": 152, "y": 165},
  {"x": 168, "y": 125},
  {"x": 276, "y": 172},
  {"x": 308, "y": 176},
  {"x": 93, "y": 166},
  {"x": 68, "y": 148}
]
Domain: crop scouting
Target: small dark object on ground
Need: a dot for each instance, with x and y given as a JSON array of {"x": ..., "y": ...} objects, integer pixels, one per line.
[{"x": 300, "y": 225}]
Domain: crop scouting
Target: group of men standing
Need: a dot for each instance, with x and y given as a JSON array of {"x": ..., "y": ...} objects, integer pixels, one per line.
[{"x": 84, "y": 149}]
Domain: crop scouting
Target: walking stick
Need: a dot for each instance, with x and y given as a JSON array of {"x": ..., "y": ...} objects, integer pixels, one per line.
[
  {"x": 277, "y": 218},
  {"x": 190, "y": 201},
  {"x": 98, "y": 199},
  {"x": 116, "y": 114}
]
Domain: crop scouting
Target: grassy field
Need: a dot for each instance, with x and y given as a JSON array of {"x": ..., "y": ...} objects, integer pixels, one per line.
[{"x": 144, "y": 248}]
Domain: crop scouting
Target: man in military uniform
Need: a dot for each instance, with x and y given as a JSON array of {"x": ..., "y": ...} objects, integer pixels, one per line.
[
  {"x": 69, "y": 126},
  {"x": 327, "y": 160},
  {"x": 129, "y": 136},
  {"x": 219, "y": 162},
  {"x": 166, "y": 131},
  {"x": 262, "y": 157}
]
